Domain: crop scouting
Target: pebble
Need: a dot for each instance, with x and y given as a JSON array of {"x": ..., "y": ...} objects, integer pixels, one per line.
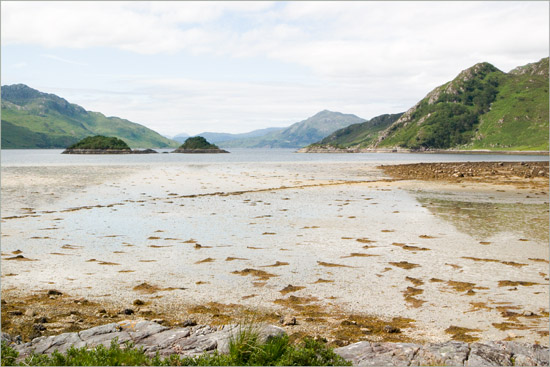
[
  {"x": 189, "y": 322},
  {"x": 39, "y": 327},
  {"x": 30, "y": 313},
  {"x": 288, "y": 321},
  {"x": 391, "y": 329}
]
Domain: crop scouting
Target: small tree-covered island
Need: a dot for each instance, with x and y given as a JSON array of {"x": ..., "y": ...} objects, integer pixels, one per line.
[
  {"x": 198, "y": 144},
  {"x": 100, "y": 144}
]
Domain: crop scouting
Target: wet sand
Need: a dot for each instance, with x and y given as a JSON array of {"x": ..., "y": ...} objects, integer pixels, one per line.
[{"x": 345, "y": 248}]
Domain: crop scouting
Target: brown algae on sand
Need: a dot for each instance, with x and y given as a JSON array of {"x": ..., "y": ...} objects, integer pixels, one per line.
[
  {"x": 515, "y": 283},
  {"x": 410, "y": 248},
  {"x": 409, "y": 295},
  {"x": 462, "y": 334},
  {"x": 290, "y": 288},
  {"x": 207, "y": 260},
  {"x": 260, "y": 274},
  {"x": 146, "y": 288},
  {"x": 404, "y": 265},
  {"x": 332, "y": 265},
  {"x": 277, "y": 263}
]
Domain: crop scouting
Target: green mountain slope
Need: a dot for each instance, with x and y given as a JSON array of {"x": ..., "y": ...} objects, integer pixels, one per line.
[
  {"x": 482, "y": 108},
  {"x": 32, "y": 119},
  {"x": 359, "y": 135},
  {"x": 519, "y": 116},
  {"x": 300, "y": 133}
]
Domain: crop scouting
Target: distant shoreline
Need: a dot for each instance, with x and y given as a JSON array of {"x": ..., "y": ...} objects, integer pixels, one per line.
[{"x": 434, "y": 151}]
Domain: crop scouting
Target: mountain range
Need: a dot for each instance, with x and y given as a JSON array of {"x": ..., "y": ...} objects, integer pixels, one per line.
[
  {"x": 215, "y": 138},
  {"x": 482, "y": 108},
  {"x": 298, "y": 134},
  {"x": 32, "y": 119}
]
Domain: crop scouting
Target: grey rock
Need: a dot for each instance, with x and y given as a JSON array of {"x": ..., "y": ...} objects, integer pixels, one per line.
[
  {"x": 105, "y": 339},
  {"x": 164, "y": 341},
  {"x": 526, "y": 354},
  {"x": 99, "y": 330},
  {"x": 141, "y": 329},
  {"x": 488, "y": 355},
  {"x": 379, "y": 354},
  {"x": 451, "y": 353},
  {"x": 49, "y": 344}
]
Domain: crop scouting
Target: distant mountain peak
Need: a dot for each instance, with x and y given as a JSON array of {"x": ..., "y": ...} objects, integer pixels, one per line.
[
  {"x": 326, "y": 113},
  {"x": 301, "y": 133},
  {"x": 22, "y": 90},
  {"x": 478, "y": 70}
]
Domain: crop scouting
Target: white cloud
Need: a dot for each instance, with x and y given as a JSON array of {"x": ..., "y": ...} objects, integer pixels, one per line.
[
  {"x": 146, "y": 28},
  {"x": 175, "y": 105},
  {"x": 365, "y": 57},
  {"x": 66, "y": 61}
]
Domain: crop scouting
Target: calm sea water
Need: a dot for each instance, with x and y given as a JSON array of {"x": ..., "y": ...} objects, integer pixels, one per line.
[{"x": 46, "y": 157}]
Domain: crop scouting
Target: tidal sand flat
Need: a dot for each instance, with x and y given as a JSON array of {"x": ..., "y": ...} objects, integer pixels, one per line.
[{"x": 344, "y": 250}]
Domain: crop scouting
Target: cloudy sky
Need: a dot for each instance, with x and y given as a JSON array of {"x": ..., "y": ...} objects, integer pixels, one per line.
[{"x": 238, "y": 66}]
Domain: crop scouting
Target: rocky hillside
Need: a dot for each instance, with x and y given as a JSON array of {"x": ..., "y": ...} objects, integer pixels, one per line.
[
  {"x": 357, "y": 135},
  {"x": 300, "y": 133},
  {"x": 482, "y": 108},
  {"x": 32, "y": 119}
]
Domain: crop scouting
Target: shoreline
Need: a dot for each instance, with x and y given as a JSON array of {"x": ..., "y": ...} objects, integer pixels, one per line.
[{"x": 327, "y": 150}]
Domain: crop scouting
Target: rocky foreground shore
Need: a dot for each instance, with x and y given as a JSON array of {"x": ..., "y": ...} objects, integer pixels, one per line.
[{"x": 193, "y": 340}]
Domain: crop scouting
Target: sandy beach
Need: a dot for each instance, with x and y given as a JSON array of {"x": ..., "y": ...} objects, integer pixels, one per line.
[{"x": 344, "y": 248}]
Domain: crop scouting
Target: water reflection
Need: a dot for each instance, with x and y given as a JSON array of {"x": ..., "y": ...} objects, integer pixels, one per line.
[{"x": 483, "y": 219}]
